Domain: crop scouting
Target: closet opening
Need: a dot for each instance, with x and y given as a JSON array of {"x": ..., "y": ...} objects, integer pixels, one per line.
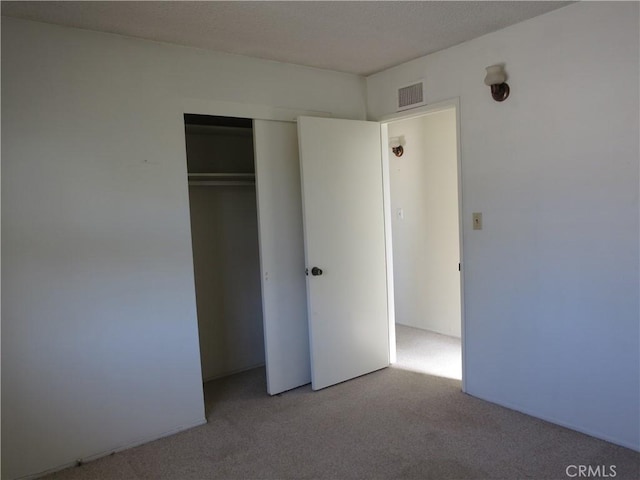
[{"x": 224, "y": 233}]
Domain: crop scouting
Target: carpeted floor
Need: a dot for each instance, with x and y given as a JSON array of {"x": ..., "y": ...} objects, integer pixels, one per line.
[
  {"x": 428, "y": 352},
  {"x": 410, "y": 421}
]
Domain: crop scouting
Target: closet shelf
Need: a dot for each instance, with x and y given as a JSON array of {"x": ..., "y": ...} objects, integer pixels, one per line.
[{"x": 222, "y": 179}]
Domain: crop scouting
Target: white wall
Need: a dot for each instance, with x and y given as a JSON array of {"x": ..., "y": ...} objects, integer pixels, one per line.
[
  {"x": 224, "y": 229},
  {"x": 551, "y": 282},
  {"x": 99, "y": 328},
  {"x": 424, "y": 185}
]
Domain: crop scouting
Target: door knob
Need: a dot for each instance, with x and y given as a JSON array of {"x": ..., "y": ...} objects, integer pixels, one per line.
[{"x": 315, "y": 271}]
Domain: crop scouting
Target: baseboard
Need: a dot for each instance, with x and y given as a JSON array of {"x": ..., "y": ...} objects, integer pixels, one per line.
[
  {"x": 555, "y": 421},
  {"x": 232, "y": 372},
  {"x": 444, "y": 334},
  {"x": 110, "y": 451}
]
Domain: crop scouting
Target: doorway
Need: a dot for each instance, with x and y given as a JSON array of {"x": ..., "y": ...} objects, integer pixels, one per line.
[
  {"x": 425, "y": 223},
  {"x": 224, "y": 232},
  {"x": 246, "y": 223}
]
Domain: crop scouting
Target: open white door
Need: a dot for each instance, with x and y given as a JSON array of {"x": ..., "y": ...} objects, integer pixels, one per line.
[
  {"x": 284, "y": 301},
  {"x": 344, "y": 233}
]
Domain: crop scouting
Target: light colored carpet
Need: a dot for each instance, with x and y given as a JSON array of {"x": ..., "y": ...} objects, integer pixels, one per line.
[
  {"x": 397, "y": 423},
  {"x": 428, "y": 352}
]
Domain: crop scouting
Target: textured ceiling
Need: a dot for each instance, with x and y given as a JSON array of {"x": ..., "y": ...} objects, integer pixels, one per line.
[{"x": 357, "y": 37}]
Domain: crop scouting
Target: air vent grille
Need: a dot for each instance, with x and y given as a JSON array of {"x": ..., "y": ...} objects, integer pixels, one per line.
[{"x": 411, "y": 96}]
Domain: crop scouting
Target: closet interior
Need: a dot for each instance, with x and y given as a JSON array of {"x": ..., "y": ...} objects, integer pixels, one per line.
[{"x": 224, "y": 232}]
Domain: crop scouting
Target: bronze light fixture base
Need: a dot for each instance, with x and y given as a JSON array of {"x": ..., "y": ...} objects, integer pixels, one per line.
[
  {"x": 398, "y": 151},
  {"x": 500, "y": 92}
]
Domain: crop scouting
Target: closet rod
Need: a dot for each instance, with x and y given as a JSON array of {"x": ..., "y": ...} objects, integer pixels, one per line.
[
  {"x": 222, "y": 183},
  {"x": 222, "y": 175}
]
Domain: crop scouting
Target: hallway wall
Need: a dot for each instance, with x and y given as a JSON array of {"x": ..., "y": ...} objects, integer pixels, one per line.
[{"x": 426, "y": 251}]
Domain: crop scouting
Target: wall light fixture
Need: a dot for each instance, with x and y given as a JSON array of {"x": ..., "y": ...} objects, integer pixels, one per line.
[
  {"x": 496, "y": 80},
  {"x": 396, "y": 145}
]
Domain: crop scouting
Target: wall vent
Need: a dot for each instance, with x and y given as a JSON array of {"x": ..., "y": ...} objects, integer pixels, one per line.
[{"x": 411, "y": 96}]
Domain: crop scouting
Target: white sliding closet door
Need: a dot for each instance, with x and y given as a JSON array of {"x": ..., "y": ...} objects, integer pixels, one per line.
[
  {"x": 286, "y": 331},
  {"x": 344, "y": 231}
]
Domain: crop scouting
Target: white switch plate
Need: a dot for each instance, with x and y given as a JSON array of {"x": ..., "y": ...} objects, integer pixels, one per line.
[{"x": 477, "y": 221}]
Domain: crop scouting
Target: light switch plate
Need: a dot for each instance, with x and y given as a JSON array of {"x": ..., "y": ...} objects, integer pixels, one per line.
[{"x": 477, "y": 221}]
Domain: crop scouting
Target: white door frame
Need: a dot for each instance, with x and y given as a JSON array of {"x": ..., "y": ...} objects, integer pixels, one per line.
[
  {"x": 253, "y": 111},
  {"x": 454, "y": 104}
]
